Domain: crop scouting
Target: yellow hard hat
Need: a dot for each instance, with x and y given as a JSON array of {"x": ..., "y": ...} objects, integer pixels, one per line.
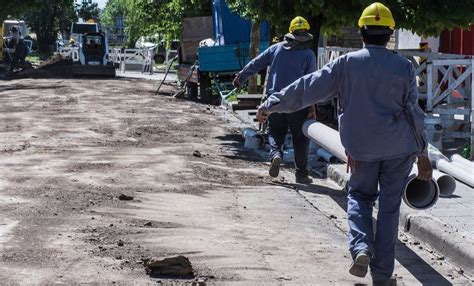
[
  {"x": 377, "y": 14},
  {"x": 299, "y": 23}
]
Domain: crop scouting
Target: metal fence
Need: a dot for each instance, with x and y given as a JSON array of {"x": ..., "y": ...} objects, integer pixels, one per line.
[
  {"x": 136, "y": 57},
  {"x": 133, "y": 59},
  {"x": 69, "y": 53}
]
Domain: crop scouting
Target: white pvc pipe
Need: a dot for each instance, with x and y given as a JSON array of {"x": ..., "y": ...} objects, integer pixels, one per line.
[
  {"x": 325, "y": 137},
  {"x": 446, "y": 183},
  {"x": 418, "y": 194},
  {"x": 458, "y": 159},
  {"x": 326, "y": 155},
  {"x": 457, "y": 171},
  {"x": 434, "y": 154},
  {"x": 249, "y": 132}
]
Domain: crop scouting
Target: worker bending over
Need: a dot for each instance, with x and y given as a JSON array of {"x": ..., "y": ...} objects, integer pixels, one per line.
[
  {"x": 287, "y": 61},
  {"x": 381, "y": 128}
]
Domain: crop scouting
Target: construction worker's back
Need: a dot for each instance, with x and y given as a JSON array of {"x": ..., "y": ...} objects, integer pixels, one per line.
[
  {"x": 285, "y": 66},
  {"x": 375, "y": 85}
]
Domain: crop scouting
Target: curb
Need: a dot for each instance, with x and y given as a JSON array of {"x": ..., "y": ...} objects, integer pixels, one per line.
[{"x": 426, "y": 228}]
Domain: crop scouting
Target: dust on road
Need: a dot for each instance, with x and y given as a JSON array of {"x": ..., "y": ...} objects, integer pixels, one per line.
[
  {"x": 71, "y": 147},
  {"x": 98, "y": 176}
]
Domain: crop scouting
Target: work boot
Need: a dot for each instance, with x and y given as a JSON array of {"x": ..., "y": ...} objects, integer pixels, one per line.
[
  {"x": 303, "y": 179},
  {"x": 390, "y": 282},
  {"x": 275, "y": 167},
  {"x": 360, "y": 264}
]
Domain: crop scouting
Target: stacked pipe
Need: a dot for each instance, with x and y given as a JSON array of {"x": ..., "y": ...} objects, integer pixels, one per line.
[
  {"x": 253, "y": 139},
  {"x": 418, "y": 194},
  {"x": 459, "y": 168}
]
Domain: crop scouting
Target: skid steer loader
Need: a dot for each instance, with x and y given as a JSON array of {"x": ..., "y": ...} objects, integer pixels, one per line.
[{"x": 92, "y": 58}]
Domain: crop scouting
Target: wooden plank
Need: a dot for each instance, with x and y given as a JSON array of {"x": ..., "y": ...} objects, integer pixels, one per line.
[{"x": 249, "y": 96}]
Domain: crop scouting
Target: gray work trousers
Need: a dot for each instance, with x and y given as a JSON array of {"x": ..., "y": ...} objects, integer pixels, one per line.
[{"x": 384, "y": 180}]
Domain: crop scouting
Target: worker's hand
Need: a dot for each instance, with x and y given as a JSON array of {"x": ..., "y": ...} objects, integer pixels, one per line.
[
  {"x": 311, "y": 112},
  {"x": 425, "y": 170},
  {"x": 236, "y": 81},
  {"x": 262, "y": 116}
]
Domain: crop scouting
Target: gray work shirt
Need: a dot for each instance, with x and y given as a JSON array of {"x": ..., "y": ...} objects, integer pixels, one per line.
[
  {"x": 286, "y": 66},
  {"x": 374, "y": 86}
]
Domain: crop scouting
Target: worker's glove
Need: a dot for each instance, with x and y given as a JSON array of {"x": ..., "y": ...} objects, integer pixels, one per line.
[
  {"x": 425, "y": 170},
  {"x": 236, "y": 81},
  {"x": 311, "y": 112},
  {"x": 262, "y": 116}
]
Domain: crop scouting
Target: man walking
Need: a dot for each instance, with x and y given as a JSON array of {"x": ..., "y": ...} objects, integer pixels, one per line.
[
  {"x": 288, "y": 61},
  {"x": 19, "y": 56},
  {"x": 381, "y": 128}
]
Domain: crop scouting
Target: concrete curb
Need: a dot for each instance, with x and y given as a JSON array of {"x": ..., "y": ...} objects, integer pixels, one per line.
[{"x": 426, "y": 228}]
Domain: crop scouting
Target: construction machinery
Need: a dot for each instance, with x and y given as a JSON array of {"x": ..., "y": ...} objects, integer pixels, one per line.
[
  {"x": 11, "y": 32},
  {"x": 209, "y": 66},
  {"x": 78, "y": 29},
  {"x": 93, "y": 56},
  {"x": 88, "y": 50}
]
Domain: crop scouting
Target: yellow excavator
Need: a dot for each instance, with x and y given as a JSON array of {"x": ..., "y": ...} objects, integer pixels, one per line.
[{"x": 10, "y": 33}]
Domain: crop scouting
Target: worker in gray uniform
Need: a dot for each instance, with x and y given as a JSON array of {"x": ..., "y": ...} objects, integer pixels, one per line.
[
  {"x": 288, "y": 61},
  {"x": 382, "y": 129}
]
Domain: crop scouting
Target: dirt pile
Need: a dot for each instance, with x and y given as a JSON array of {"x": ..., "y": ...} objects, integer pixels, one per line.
[{"x": 55, "y": 66}]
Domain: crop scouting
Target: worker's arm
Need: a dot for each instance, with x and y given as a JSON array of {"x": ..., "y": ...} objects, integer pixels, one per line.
[
  {"x": 254, "y": 66},
  {"x": 307, "y": 90},
  {"x": 425, "y": 170}
]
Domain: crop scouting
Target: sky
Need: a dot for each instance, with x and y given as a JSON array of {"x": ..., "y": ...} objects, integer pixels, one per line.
[{"x": 101, "y": 3}]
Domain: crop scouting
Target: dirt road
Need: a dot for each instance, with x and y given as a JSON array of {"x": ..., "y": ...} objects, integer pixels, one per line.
[{"x": 71, "y": 148}]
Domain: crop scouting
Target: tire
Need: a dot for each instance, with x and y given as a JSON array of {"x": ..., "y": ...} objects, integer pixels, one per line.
[
  {"x": 205, "y": 90},
  {"x": 192, "y": 91}
]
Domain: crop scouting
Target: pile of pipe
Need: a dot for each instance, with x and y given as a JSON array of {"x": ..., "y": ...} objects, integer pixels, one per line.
[
  {"x": 418, "y": 194},
  {"x": 253, "y": 139},
  {"x": 459, "y": 168}
]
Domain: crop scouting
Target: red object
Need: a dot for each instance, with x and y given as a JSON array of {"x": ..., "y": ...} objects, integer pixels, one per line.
[{"x": 457, "y": 41}]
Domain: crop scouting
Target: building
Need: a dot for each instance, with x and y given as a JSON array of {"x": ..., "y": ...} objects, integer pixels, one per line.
[{"x": 117, "y": 33}]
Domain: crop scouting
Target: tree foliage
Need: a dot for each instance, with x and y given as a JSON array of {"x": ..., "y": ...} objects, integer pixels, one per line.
[
  {"x": 426, "y": 18},
  {"x": 12, "y": 9},
  {"x": 45, "y": 17},
  {"x": 88, "y": 10},
  {"x": 150, "y": 17},
  {"x": 112, "y": 10}
]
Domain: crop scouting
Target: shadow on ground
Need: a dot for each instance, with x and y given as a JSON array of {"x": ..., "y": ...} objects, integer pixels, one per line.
[
  {"x": 234, "y": 142},
  {"x": 421, "y": 270}
]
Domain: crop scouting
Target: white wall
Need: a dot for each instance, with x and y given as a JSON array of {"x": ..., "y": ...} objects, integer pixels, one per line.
[{"x": 406, "y": 39}]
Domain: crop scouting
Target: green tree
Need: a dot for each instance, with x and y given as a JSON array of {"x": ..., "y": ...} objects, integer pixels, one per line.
[
  {"x": 48, "y": 18},
  {"x": 150, "y": 17},
  {"x": 423, "y": 17},
  {"x": 13, "y": 9},
  {"x": 88, "y": 10},
  {"x": 112, "y": 10}
]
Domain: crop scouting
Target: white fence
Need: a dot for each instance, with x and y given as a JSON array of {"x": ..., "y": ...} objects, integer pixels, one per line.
[
  {"x": 69, "y": 53},
  {"x": 136, "y": 59},
  {"x": 445, "y": 81}
]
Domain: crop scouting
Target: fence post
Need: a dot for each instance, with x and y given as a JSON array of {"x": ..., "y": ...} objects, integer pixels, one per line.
[
  {"x": 429, "y": 87},
  {"x": 472, "y": 109}
]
